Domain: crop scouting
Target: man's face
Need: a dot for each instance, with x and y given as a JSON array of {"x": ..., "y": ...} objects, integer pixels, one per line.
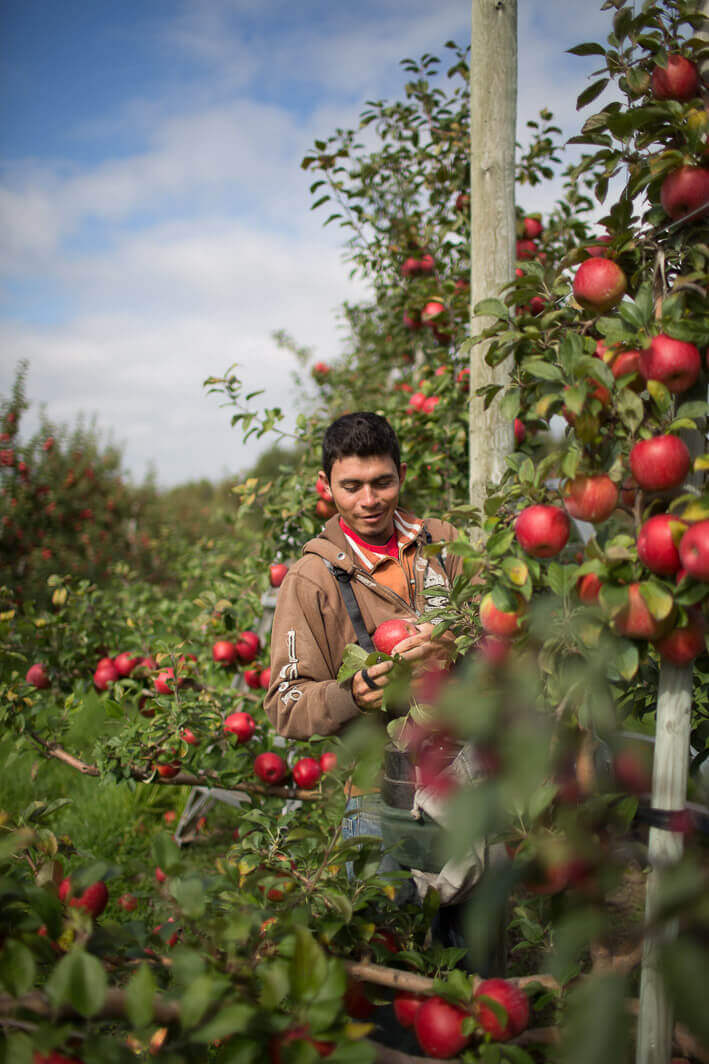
[{"x": 366, "y": 493}]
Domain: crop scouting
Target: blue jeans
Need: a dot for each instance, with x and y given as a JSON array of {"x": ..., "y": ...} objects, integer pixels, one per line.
[{"x": 363, "y": 817}]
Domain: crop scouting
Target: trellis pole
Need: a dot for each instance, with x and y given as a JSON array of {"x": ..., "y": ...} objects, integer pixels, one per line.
[
  {"x": 493, "y": 113},
  {"x": 669, "y": 791}
]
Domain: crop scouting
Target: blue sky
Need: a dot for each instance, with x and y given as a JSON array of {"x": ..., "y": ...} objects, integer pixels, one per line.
[{"x": 154, "y": 220}]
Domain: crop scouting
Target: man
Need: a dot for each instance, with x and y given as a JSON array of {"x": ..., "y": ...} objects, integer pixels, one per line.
[{"x": 379, "y": 547}]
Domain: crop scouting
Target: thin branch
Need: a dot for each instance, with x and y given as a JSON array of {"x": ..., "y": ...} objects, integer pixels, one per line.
[{"x": 182, "y": 779}]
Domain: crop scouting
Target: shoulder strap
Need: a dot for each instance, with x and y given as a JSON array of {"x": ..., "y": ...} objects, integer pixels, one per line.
[{"x": 351, "y": 605}]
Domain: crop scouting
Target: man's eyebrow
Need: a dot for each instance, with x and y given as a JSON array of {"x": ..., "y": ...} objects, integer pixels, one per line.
[{"x": 376, "y": 480}]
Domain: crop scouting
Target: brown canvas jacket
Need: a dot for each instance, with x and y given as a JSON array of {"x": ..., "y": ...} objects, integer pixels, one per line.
[{"x": 311, "y": 626}]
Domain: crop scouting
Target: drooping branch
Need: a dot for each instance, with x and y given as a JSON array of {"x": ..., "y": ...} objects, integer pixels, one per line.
[{"x": 182, "y": 779}]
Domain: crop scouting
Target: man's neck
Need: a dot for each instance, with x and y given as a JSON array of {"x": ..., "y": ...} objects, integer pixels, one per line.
[{"x": 379, "y": 540}]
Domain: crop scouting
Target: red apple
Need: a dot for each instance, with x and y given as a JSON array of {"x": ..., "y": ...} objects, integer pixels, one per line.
[
  {"x": 242, "y": 725},
  {"x": 588, "y": 588},
  {"x": 599, "y": 284},
  {"x": 426, "y": 264},
  {"x": 325, "y": 509},
  {"x": 500, "y": 622},
  {"x": 225, "y": 653},
  {"x": 125, "y": 663},
  {"x": 632, "y": 772},
  {"x": 658, "y": 542},
  {"x": 592, "y": 498},
  {"x": 532, "y": 228},
  {"x": 494, "y": 650},
  {"x": 673, "y": 362},
  {"x": 406, "y": 1006},
  {"x": 277, "y": 573},
  {"x": 682, "y": 645},
  {"x": 94, "y": 899},
  {"x": 270, "y": 767},
  {"x": 410, "y": 267},
  {"x": 686, "y": 191},
  {"x": 160, "y": 875},
  {"x": 660, "y": 463},
  {"x": 412, "y": 321},
  {"x": 328, "y": 761},
  {"x": 390, "y": 633},
  {"x": 105, "y": 675},
  {"x": 694, "y": 551},
  {"x": 264, "y": 679},
  {"x": 252, "y": 678},
  {"x": 525, "y": 249},
  {"x": 37, "y": 676},
  {"x": 430, "y": 403},
  {"x": 462, "y": 201},
  {"x": 320, "y": 369},
  {"x": 165, "y": 682},
  {"x": 432, "y": 310},
  {"x": 416, "y": 402},
  {"x": 520, "y": 431},
  {"x": 627, "y": 362},
  {"x": 635, "y": 619},
  {"x": 438, "y": 1026},
  {"x": 512, "y": 999},
  {"x": 679, "y": 80},
  {"x": 167, "y": 770},
  {"x": 356, "y": 1002},
  {"x": 542, "y": 530},
  {"x": 127, "y": 902},
  {"x": 463, "y": 379},
  {"x": 306, "y": 772},
  {"x": 598, "y": 250},
  {"x": 297, "y": 1034}
]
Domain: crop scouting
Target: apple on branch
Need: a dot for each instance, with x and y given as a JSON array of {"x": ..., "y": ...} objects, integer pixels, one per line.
[
  {"x": 542, "y": 530},
  {"x": 677, "y": 79},
  {"x": 599, "y": 285},
  {"x": 591, "y": 498},
  {"x": 660, "y": 463},
  {"x": 676, "y": 363},
  {"x": 686, "y": 192}
]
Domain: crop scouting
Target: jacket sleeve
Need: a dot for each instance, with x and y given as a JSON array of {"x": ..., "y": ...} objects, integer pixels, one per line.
[{"x": 304, "y": 697}]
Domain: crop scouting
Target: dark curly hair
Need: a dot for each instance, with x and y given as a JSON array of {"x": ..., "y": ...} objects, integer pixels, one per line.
[{"x": 363, "y": 434}]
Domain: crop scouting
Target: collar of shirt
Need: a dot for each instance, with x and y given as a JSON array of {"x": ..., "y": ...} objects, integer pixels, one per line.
[{"x": 391, "y": 547}]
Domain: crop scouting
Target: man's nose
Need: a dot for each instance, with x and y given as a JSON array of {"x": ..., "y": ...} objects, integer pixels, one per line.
[{"x": 369, "y": 495}]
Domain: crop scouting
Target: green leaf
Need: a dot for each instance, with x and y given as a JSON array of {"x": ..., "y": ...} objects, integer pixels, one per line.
[
  {"x": 696, "y": 409},
  {"x": 510, "y": 404},
  {"x": 17, "y": 968},
  {"x": 500, "y": 542},
  {"x": 589, "y": 48},
  {"x": 166, "y": 853},
  {"x": 631, "y": 313},
  {"x": 630, "y": 409},
  {"x": 684, "y": 968},
  {"x": 78, "y": 980},
  {"x": 491, "y": 308},
  {"x": 585, "y": 1040},
  {"x": 341, "y": 904},
  {"x": 234, "y": 1019},
  {"x": 308, "y": 966},
  {"x": 626, "y": 658},
  {"x": 275, "y": 984},
  {"x": 353, "y": 659},
  {"x": 541, "y": 799},
  {"x": 590, "y": 94},
  {"x": 189, "y": 895},
  {"x": 659, "y": 601},
  {"x": 196, "y": 1000},
  {"x": 545, "y": 371},
  {"x": 18, "y": 1048},
  {"x": 660, "y": 396},
  {"x": 140, "y": 991}
]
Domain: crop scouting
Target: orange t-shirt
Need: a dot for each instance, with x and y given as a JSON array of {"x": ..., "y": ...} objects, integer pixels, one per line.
[{"x": 389, "y": 563}]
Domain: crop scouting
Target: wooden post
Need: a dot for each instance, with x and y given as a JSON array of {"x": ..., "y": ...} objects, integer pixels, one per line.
[
  {"x": 493, "y": 113},
  {"x": 669, "y": 791}
]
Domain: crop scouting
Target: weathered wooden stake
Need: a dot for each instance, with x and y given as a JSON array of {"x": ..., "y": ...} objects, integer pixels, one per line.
[{"x": 493, "y": 113}]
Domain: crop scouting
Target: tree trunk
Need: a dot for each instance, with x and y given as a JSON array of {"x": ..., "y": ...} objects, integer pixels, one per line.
[{"x": 493, "y": 111}]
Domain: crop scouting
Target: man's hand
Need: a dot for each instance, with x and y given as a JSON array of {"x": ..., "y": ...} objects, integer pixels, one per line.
[
  {"x": 366, "y": 696},
  {"x": 419, "y": 649},
  {"x": 422, "y": 651}
]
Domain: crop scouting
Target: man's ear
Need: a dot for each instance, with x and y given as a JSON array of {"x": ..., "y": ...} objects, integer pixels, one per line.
[
  {"x": 402, "y": 473},
  {"x": 323, "y": 486}
]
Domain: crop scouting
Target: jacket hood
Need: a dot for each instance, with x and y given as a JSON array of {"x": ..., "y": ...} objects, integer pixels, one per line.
[{"x": 332, "y": 545}]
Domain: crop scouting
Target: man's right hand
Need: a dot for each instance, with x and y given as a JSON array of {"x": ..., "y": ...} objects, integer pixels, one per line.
[{"x": 365, "y": 696}]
